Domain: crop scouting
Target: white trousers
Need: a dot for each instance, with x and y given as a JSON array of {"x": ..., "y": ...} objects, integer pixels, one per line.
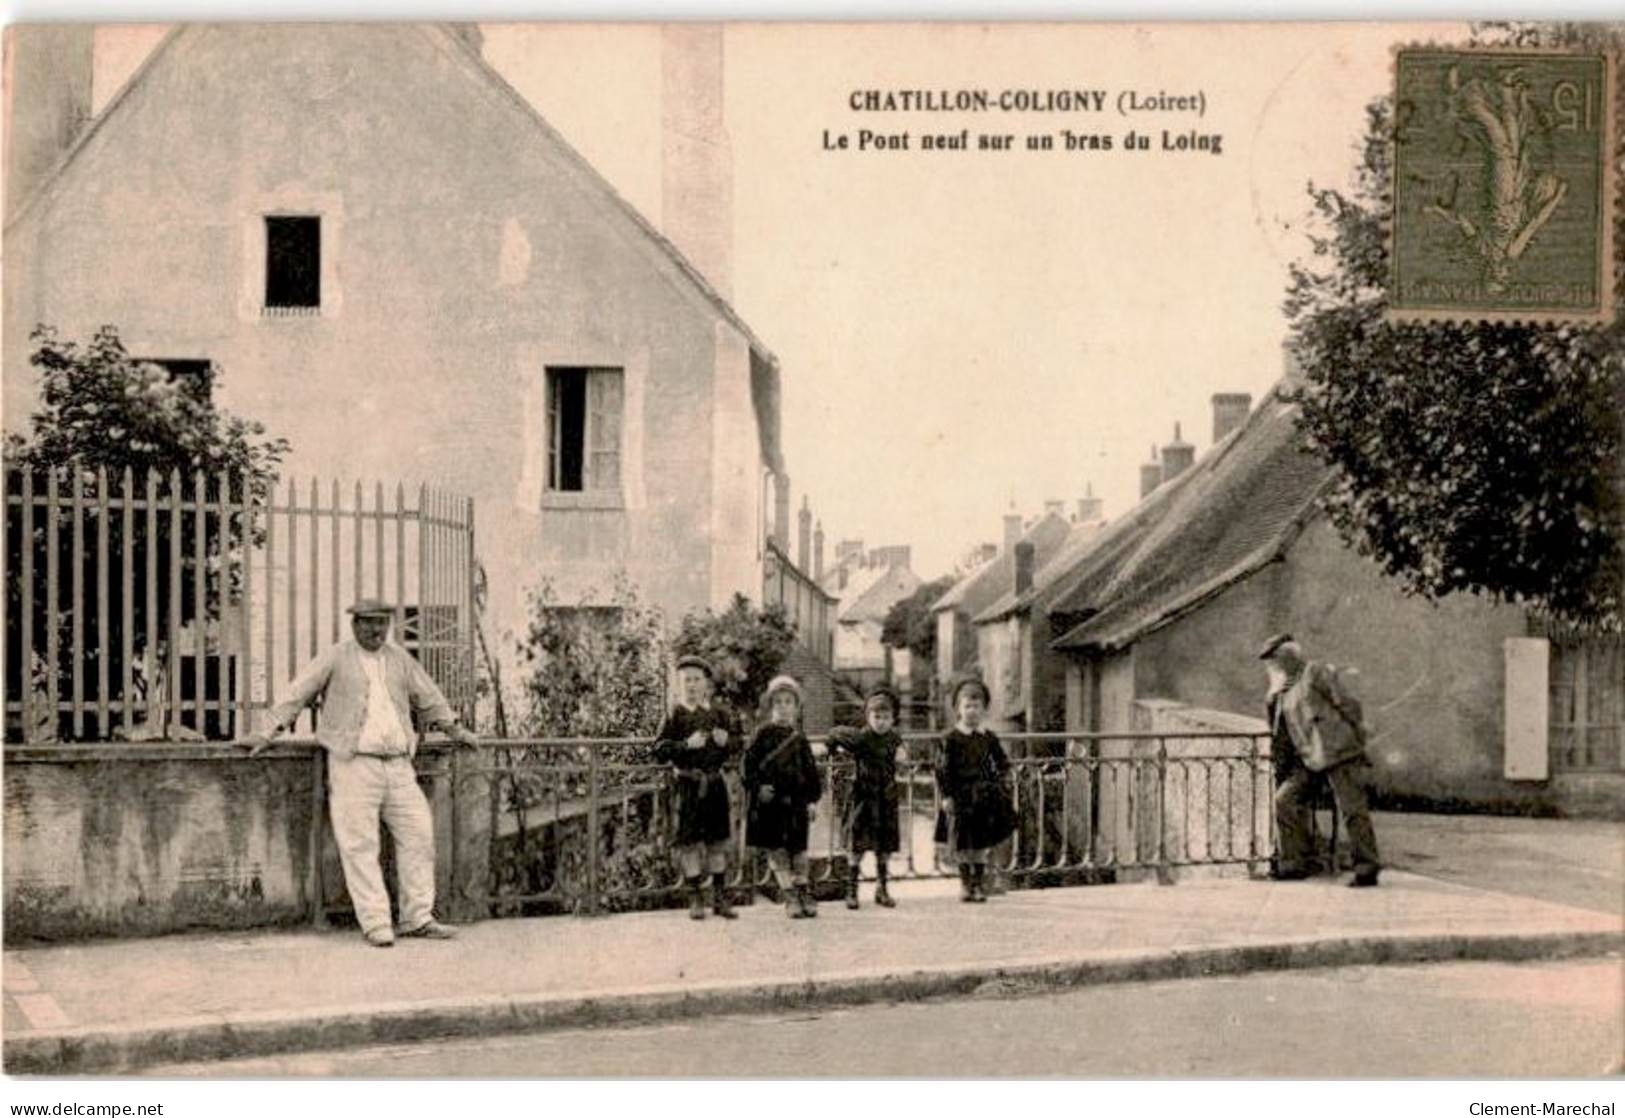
[{"x": 362, "y": 790}]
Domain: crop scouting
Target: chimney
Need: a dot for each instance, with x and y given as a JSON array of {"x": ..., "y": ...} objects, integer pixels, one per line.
[
  {"x": 1024, "y": 566},
  {"x": 1229, "y": 412},
  {"x": 1012, "y": 529},
  {"x": 1090, "y": 507},
  {"x": 1055, "y": 508},
  {"x": 818, "y": 552},
  {"x": 804, "y": 536},
  {"x": 1177, "y": 456},
  {"x": 1150, "y": 475},
  {"x": 781, "y": 512},
  {"x": 696, "y": 160},
  {"x": 50, "y": 72}
]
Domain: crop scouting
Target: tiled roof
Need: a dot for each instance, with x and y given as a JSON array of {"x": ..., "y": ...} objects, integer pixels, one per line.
[
  {"x": 989, "y": 582},
  {"x": 877, "y": 599},
  {"x": 1227, "y": 516}
]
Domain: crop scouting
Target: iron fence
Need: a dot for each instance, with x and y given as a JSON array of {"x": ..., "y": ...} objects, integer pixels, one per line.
[{"x": 585, "y": 825}]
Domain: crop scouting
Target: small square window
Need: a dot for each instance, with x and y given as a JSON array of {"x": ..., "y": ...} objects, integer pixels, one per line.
[{"x": 293, "y": 262}]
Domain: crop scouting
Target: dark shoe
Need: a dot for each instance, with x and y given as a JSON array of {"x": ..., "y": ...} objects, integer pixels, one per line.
[
  {"x": 696, "y": 903},
  {"x": 978, "y": 884},
  {"x": 883, "y": 896},
  {"x": 792, "y": 905},
  {"x": 809, "y": 904},
  {"x": 1364, "y": 879},
  {"x": 852, "y": 889},
  {"x": 432, "y": 929},
  {"x": 1289, "y": 875},
  {"x": 967, "y": 891},
  {"x": 720, "y": 904}
]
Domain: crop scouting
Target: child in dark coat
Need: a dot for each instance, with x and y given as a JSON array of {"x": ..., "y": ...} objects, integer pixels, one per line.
[
  {"x": 972, "y": 775},
  {"x": 698, "y": 738},
  {"x": 873, "y": 751},
  {"x": 784, "y": 786}
]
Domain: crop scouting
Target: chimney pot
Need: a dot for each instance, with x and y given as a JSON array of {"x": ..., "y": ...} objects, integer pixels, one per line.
[
  {"x": 1012, "y": 529},
  {"x": 1230, "y": 410},
  {"x": 804, "y": 536}
]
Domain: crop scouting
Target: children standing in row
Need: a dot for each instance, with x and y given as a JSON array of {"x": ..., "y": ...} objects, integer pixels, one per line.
[
  {"x": 699, "y": 737},
  {"x": 972, "y": 774},
  {"x": 784, "y": 785},
  {"x": 874, "y": 752}
]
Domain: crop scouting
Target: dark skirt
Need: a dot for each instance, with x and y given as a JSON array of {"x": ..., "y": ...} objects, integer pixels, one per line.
[
  {"x": 874, "y": 819},
  {"x": 702, "y": 808},
  {"x": 780, "y": 825},
  {"x": 983, "y": 817}
]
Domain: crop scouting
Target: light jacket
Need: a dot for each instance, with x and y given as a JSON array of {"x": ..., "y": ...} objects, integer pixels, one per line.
[
  {"x": 337, "y": 681},
  {"x": 1326, "y": 729}
]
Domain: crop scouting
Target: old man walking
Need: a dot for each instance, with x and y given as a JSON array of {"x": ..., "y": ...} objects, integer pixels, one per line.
[
  {"x": 368, "y": 689},
  {"x": 1319, "y": 726}
]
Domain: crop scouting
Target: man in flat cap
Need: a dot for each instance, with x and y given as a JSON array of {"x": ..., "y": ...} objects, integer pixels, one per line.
[
  {"x": 1319, "y": 723},
  {"x": 368, "y": 689}
]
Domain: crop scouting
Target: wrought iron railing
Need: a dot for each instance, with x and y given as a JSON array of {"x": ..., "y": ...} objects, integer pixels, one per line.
[{"x": 1086, "y": 805}]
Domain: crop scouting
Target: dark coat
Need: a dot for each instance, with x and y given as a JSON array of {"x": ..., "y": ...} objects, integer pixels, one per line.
[
  {"x": 875, "y": 800},
  {"x": 780, "y": 756},
  {"x": 973, "y": 772},
  {"x": 701, "y": 791}
]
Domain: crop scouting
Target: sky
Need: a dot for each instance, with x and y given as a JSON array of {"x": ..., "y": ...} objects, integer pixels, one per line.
[{"x": 963, "y": 332}]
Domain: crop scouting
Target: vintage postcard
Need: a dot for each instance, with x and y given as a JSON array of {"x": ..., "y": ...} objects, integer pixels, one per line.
[{"x": 999, "y": 550}]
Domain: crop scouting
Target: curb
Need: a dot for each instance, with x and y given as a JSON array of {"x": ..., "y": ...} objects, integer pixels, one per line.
[{"x": 108, "y": 1050}]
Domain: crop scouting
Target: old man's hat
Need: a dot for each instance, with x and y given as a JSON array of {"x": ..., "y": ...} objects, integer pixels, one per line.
[
  {"x": 699, "y": 663},
  {"x": 1273, "y": 645},
  {"x": 371, "y": 607}
]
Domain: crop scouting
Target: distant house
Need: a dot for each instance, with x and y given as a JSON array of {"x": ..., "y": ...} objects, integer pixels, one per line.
[
  {"x": 957, "y": 646},
  {"x": 1171, "y": 603},
  {"x": 869, "y": 594},
  {"x": 405, "y": 270}
]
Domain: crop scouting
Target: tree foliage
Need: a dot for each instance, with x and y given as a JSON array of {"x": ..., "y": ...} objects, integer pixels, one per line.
[
  {"x": 1478, "y": 457},
  {"x": 909, "y": 623},
  {"x": 592, "y": 671},
  {"x": 103, "y": 410},
  {"x": 745, "y": 647}
]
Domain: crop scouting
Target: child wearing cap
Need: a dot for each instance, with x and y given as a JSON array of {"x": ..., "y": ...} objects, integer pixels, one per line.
[
  {"x": 972, "y": 775},
  {"x": 873, "y": 751},
  {"x": 784, "y": 786},
  {"x": 698, "y": 738}
]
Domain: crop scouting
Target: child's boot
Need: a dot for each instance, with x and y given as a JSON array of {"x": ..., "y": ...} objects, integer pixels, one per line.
[
  {"x": 882, "y": 894},
  {"x": 967, "y": 891},
  {"x": 809, "y": 904},
  {"x": 792, "y": 902},
  {"x": 719, "y": 897},
  {"x": 978, "y": 883},
  {"x": 852, "y": 884},
  {"x": 696, "y": 899}
]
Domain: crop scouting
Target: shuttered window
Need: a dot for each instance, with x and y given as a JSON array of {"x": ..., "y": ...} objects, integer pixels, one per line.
[{"x": 585, "y": 418}]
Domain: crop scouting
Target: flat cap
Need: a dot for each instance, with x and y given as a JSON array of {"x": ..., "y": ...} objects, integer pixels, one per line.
[
  {"x": 698, "y": 662},
  {"x": 370, "y": 607},
  {"x": 1271, "y": 645}
]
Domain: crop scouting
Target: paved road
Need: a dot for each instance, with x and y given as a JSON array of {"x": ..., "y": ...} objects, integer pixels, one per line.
[
  {"x": 1578, "y": 862},
  {"x": 1450, "y": 1020}
]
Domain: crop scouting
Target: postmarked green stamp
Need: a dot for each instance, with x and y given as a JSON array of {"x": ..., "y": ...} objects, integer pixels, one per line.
[{"x": 1503, "y": 185}]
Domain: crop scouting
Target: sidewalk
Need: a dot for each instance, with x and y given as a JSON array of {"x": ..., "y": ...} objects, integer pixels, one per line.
[{"x": 103, "y": 1007}]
